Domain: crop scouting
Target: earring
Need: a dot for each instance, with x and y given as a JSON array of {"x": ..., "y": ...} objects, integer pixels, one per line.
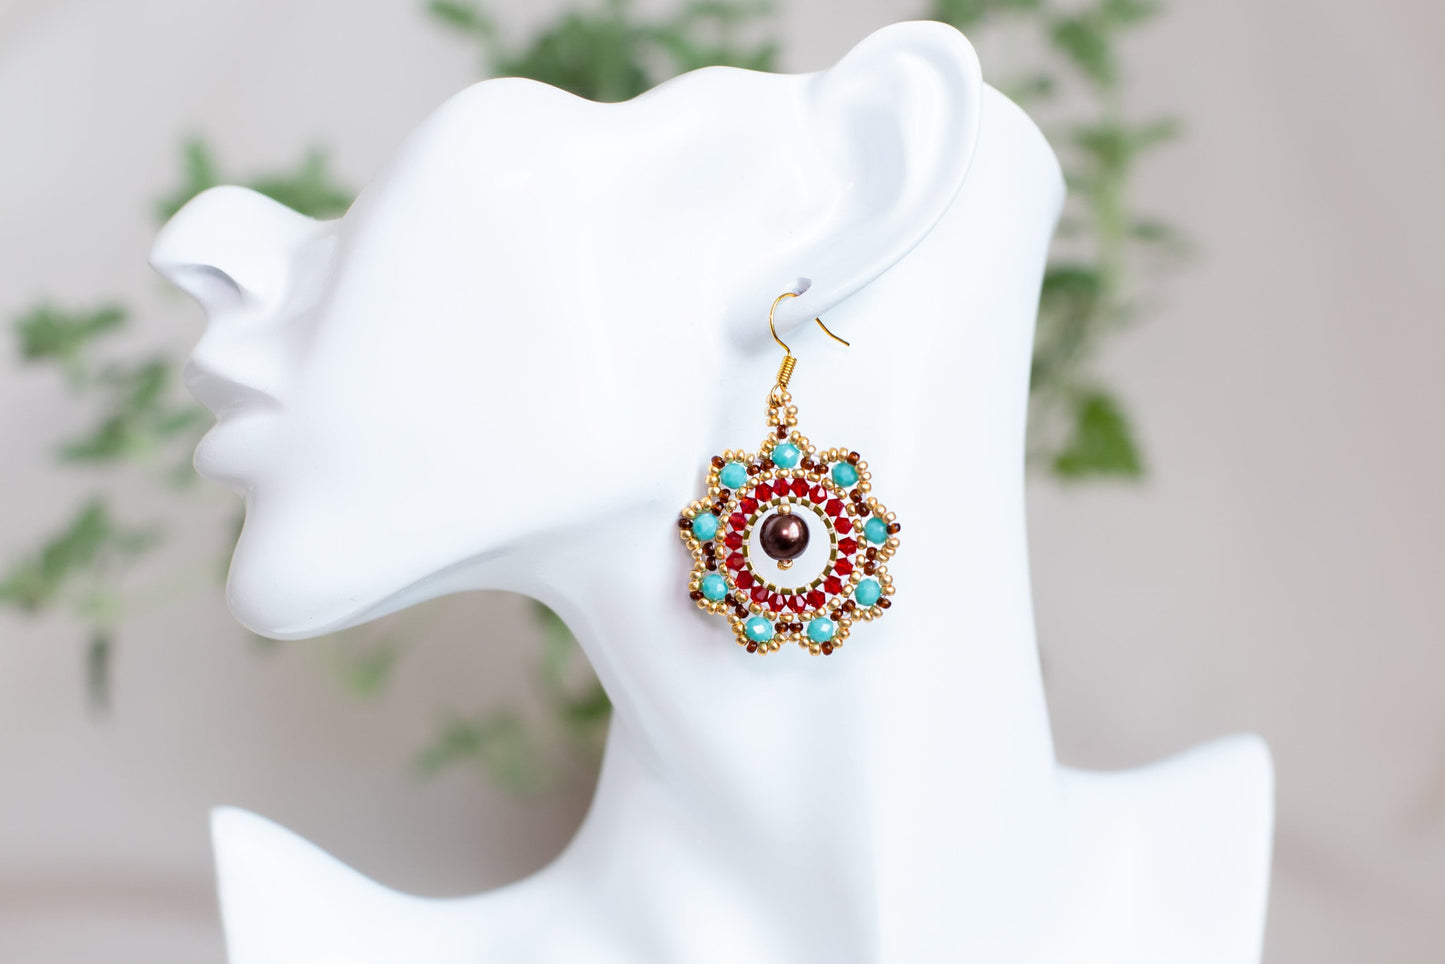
[{"x": 788, "y": 545}]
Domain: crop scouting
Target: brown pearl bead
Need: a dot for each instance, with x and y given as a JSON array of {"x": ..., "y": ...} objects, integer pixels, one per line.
[{"x": 783, "y": 537}]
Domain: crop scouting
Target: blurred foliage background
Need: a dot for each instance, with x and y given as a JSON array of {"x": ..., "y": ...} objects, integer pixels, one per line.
[{"x": 1106, "y": 265}]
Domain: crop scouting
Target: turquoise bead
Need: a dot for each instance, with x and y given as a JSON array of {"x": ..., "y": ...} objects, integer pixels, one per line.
[
  {"x": 733, "y": 475},
  {"x": 845, "y": 474},
  {"x": 714, "y": 587},
  {"x": 821, "y": 630},
  {"x": 786, "y": 455},
  {"x": 876, "y": 530},
  {"x": 867, "y": 593},
  {"x": 704, "y": 525},
  {"x": 759, "y": 630}
]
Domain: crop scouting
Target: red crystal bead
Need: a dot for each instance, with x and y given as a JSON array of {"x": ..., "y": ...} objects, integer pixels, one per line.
[
  {"x": 842, "y": 567},
  {"x": 843, "y": 525},
  {"x": 736, "y": 561},
  {"x": 797, "y": 603},
  {"x": 735, "y": 540},
  {"x": 775, "y": 602},
  {"x": 845, "y": 546},
  {"x": 818, "y": 494},
  {"x": 744, "y": 579},
  {"x": 738, "y": 521},
  {"x": 765, "y": 492},
  {"x": 816, "y": 598},
  {"x": 835, "y": 507},
  {"x": 833, "y": 585},
  {"x": 759, "y": 594},
  {"x": 748, "y": 505}
]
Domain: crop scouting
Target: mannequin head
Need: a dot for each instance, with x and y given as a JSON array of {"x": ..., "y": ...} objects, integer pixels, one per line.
[{"x": 530, "y": 319}]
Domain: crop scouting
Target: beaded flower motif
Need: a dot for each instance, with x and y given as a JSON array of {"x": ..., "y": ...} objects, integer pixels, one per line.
[{"x": 788, "y": 545}]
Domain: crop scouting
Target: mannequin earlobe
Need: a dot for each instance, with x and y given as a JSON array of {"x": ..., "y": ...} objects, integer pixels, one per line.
[{"x": 893, "y": 127}]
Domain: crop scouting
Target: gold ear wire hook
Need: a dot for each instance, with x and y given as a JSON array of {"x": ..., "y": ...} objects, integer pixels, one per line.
[{"x": 785, "y": 371}]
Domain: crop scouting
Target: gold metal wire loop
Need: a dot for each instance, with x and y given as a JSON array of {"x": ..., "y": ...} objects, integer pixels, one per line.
[
  {"x": 785, "y": 371},
  {"x": 774, "y": 329}
]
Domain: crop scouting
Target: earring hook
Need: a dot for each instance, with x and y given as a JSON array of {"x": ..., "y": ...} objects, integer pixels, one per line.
[{"x": 773, "y": 328}]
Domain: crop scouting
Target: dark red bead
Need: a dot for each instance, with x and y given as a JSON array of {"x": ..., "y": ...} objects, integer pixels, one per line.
[
  {"x": 775, "y": 602},
  {"x": 760, "y": 594},
  {"x": 738, "y": 521},
  {"x": 845, "y": 546},
  {"x": 816, "y": 598},
  {"x": 765, "y": 492},
  {"x": 842, "y": 525},
  {"x": 752, "y": 647},
  {"x": 748, "y": 505},
  {"x": 734, "y": 540},
  {"x": 818, "y": 494},
  {"x": 833, "y": 585},
  {"x": 744, "y": 579},
  {"x": 834, "y": 507},
  {"x": 796, "y": 603},
  {"x": 842, "y": 567},
  {"x": 800, "y": 487},
  {"x": 736, "y": 561}
]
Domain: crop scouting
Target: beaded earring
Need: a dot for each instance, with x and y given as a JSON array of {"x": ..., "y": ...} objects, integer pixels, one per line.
[{"x": 788, "y": 545}]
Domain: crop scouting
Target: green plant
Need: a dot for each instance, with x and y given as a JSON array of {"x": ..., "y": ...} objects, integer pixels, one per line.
[{"x": 1078, "y": 429}]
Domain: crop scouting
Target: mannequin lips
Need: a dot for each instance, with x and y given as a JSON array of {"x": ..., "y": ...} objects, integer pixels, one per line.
[
  {"x": 230, "y": 453},
  {"x": 224, "y": 396}
]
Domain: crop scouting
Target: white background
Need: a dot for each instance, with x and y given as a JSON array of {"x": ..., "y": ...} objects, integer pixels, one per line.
[{"x": 1280, "y": 570}]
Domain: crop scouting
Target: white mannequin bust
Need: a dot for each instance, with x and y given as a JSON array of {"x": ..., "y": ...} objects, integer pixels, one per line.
[{"x": 507, "y": 368}]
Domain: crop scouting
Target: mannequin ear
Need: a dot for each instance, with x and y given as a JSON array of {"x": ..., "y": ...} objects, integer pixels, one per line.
[{"x": 893, "y": 127}]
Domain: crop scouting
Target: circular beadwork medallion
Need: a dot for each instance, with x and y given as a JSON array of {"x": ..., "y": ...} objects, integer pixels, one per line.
[{"x": 789, "y": 545}]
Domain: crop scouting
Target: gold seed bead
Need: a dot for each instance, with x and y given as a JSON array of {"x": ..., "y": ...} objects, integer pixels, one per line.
[
  {"x": 864, "y": 486},
  {"x": 862, "y": 467},
  {"x": 893, "y": 542},
  {"x": 890, "y": 517}
]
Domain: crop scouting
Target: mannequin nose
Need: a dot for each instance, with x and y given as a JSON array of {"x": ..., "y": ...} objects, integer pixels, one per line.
[{"x": 231, "y": 247}]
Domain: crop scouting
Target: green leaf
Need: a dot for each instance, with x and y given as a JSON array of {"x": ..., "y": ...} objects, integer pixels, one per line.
[
  {"x": 1128, "y": 13},
  {"x": 497, "y": 742},
  {"x": 1086, "y": 43},
  {"x": 98, "y": 671},
  {"x": 34, "y": 582},
  {"x": 1102, "y": 442},
  {"x": 465, "y": 17},
  {"x": 48, "y": 333},
  {"x": 968, "y": 14},
  {"x": 311, "y": 189},
  {"x": 198, "y": 173}
]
